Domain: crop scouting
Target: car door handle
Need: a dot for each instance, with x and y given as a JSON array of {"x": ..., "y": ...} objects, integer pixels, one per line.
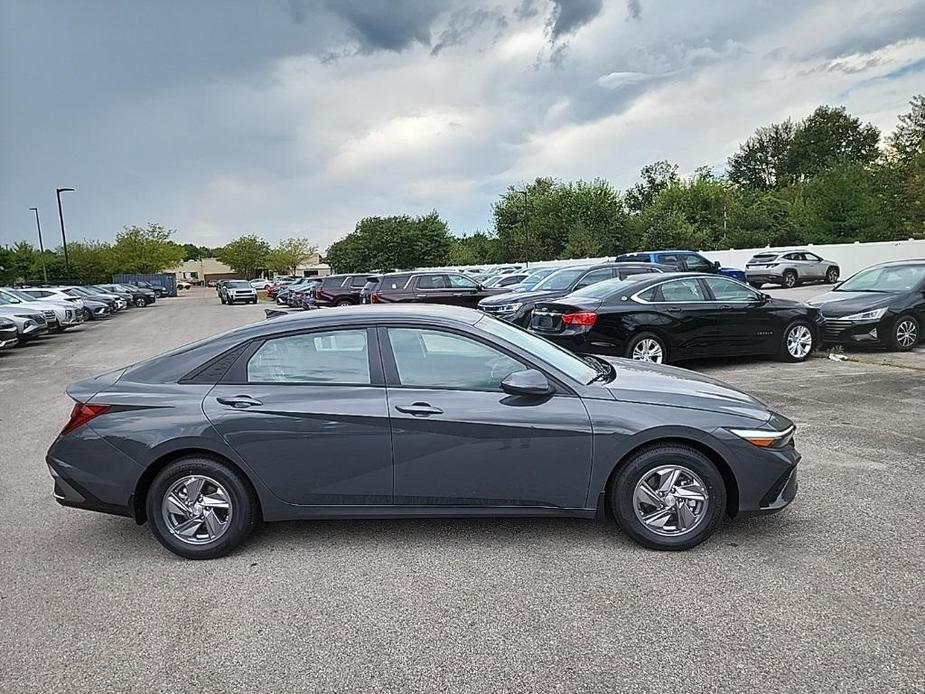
[
  {"x": 240, "y": 401},
  {"x": 726, "y": 306},
  {"x": 674, "y": 309},
  {"x": 419, "y": 409}
]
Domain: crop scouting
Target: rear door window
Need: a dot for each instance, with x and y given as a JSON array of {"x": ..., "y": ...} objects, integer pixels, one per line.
[
  {"x": 697, "y": 263},
  {"x": 730, "y": 290},
  {"x": 433, "y": 282},
  {"x": 682, "y": 291},
  {"x": 339, "y": 356}
]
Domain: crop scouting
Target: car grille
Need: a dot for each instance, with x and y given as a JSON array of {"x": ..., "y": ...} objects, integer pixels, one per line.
[{"x": 833, "y": 327}]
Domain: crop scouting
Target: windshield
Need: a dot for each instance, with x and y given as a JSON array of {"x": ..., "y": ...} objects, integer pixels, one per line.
[
  {"x": 605, "y": 289},
  {"x": 552, "y": 354},
  {"x": 238, "y": 285},
  {"x": 561, "y": 279},
  {"x": 890, "y": 278}
]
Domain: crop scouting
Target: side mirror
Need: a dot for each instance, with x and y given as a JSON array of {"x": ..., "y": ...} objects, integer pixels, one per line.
[
  {"x": 716, "y": 265},
  {"x": 763, "y": 298},
  {"x": 528, "y": 382}
]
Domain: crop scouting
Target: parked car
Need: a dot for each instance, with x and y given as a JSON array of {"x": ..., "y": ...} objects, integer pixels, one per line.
[
  {"x": 183, "y": 284},
  {"x": 114, "y": 302},
  {"x": 30, "y": 324},
  {"x": 535, "y": 277},
  {"x": 233, "y": 291},
  {"x": 135, "y": 296},
  {"x": 340, "y": 290},
  {"x": 678, "y": 316},
  {"x": 682, "y": 261},
  {"x": 9, "y": 334},
  {"x": 282, "y": 295},
  {"x": 260, "y": 283},
  {"x": 413, "y": 411},
  {"x": 54, "y": 294},
  {"x": 883, "y": 305},
  {"x": 372, "y": 281},
  {"x": 303, "y": 297},
  {"x": 90, "y": 308},
  {"x": 431, "y": 287},
  {"x": 517, "y": 307},
  {"x": 275, "y": 288},
  {"x": 789, "y": 268},
  {"x": 159, "y": 290},
  {"x": 212, "y": 283},
  {"x": 59, "y": 315}
]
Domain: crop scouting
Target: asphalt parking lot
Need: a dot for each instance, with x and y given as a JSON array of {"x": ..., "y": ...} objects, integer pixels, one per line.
[{"x": 827, "y": 595}]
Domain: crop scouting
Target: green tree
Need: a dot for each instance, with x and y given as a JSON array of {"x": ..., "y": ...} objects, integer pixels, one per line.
[
  {"x": 762, "y": 160},
  {"x": 386, "y": 243},
  {"x": 245, "y": 255},
  {"x": 289, "y": 254},
  {"x": 827, "y": 137},
  {"x": 476, "y": 249},
  {"x": 145, "y": 249},
  {"x": 193, "y": 252},
  {"x": 91, "y": 262},
  {"x": 907, "y": 142},
  {"x": 581, "y": 243},
  {"x": 655, "y": 178}
]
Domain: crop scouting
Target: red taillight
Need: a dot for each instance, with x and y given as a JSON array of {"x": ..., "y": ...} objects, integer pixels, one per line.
[
  {"x": 375, "y": 298},
  {"x": 81, "y": 414},
  {"x": 584, "y": 318}
]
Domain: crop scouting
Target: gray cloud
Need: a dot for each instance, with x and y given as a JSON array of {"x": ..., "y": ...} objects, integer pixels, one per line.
[
  {"x": 464, "y": 23},
  {"x": 570, "y": 15},
  {"x": 634, "y": 8},
  {"x": 390, "y": 25}
]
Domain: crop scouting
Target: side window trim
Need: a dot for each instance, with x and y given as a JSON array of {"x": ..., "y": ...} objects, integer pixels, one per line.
[{"x": 237, "y": 373}]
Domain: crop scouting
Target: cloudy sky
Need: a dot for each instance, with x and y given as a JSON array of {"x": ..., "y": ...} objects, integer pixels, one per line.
[{"x": 298, "y": 117}]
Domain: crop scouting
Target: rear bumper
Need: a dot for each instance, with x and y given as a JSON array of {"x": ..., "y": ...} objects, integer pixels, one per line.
[{"x": 764, "y": 276}]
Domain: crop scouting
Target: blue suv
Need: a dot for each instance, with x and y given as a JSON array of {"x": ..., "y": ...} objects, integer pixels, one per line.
[{"x": 682, "y": 261}]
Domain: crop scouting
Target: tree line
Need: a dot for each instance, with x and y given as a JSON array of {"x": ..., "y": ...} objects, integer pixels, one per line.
[{"x": 828, "y": 178}]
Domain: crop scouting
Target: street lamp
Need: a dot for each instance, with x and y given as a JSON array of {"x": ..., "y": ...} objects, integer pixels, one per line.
[
  {"x": 38, "y": 225},
  {"x": 67, "y": 266}
]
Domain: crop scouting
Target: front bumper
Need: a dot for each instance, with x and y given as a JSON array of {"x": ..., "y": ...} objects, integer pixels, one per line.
[
  {"x": 838, "y": 331},
  {"x": 766, "y": 478}
]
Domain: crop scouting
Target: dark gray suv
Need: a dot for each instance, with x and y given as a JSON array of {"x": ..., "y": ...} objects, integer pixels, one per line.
[{"x": 414, "y": 410}]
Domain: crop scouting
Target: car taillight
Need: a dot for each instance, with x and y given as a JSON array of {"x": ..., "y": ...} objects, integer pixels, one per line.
[
  {"x": 375, "y": 298},
  {"x": 81, "y": 414},
  {"x": 584, "y": 318}
]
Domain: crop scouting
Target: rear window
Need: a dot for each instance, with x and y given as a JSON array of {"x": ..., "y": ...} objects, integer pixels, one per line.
[
  {"x": 605, "y": 289},
  {"x": 763, "y": 257}
]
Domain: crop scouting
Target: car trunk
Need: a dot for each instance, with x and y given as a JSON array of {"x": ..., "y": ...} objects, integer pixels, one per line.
[{"x": 547, "y": 316}]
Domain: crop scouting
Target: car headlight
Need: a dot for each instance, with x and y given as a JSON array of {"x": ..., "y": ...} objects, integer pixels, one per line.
[
  {"x": 764, "y": 438},
  {"x": 875, "y": 314},
  {"x": 510, "y": 308}
]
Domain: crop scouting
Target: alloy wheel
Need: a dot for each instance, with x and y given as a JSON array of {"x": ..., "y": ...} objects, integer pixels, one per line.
[
  {"x": 670, "y": 500},
  {"x": 197, "y": 509},
  {"x": 906, "y": 333},
  {"x": 832, "y": 276},
  {"x": 649, "y": 350},
  {"x": 790, "y": 280},
  {"x": 799, "y": 341}
]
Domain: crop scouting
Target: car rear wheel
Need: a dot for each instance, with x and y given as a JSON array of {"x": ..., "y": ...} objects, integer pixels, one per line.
[
  {"x": 140, "y": 301},
  {"x": 831, "y": 276},
  {"x": 200, "y": 509},
  {"x": 757, "y": 285},
  {"x": 647, "y": 347},
  {"x": 668, "y": 496},
  {"x": 905, "y": 333},
  {"x": 797, "y": 343},
  {"x": 343, "y": 302},
  {"x": 790, "y": 279}
]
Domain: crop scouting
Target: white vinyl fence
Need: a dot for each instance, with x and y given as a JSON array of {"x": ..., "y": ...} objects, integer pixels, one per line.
[{"x": 850, "y": 257}]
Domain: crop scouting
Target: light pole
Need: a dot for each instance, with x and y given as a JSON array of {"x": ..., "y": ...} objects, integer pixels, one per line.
[
  {"x": 67, "y": 266},
  {"x": 38, "y": 226}
]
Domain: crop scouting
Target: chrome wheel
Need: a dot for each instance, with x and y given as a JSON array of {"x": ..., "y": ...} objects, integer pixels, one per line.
[
  {"x": 671, "y": 500},
  {"x": 790, "y": 280},
  {"x": 648, "y": 349},
  {"x": 832, "y": 276},
  {"x": 907, "y": 333},
  {"x": 799, "y": 341},
  {"x": 197, "y": 510}
]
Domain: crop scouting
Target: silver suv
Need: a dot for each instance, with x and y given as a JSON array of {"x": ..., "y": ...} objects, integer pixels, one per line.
[{"x": 789, "y": 268}]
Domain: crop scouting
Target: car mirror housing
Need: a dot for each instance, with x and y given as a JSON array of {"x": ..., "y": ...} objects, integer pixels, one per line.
[
  {"x": 527, "y": 382},
  {"x": 716, "y": 265}
]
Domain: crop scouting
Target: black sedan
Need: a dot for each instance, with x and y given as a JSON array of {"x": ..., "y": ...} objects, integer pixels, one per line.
[
  {"x": 678, "y": 316},
  {"x": 411, "y": 411},
  {"x": 517, "y": 306},
  {"x": 882, "y": 306}
]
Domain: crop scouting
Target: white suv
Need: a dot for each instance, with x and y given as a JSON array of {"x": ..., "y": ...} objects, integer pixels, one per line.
[
  {"x": 59, "y": 315},
  {"x": 233, "y": 291}
]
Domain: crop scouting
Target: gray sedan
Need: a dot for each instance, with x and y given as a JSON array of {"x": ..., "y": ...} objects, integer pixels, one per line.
[
  {"x": 789, "y": 268},
  {"x": 411, "y": 411}
]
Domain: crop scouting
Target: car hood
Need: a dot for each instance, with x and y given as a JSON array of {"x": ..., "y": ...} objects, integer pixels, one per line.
[
  {"x": 520, "y": 297},
  {"x": 656, "y": 384},
  {"x": 847, "y": 303}
]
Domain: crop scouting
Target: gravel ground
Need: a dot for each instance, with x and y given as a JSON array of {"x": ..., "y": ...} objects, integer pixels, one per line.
[{"x": 826, "y": 596}]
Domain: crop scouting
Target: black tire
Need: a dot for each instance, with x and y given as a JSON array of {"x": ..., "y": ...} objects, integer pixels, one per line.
[
  {"x": 784, "y": 353},
  {"x": 903, "y": 324},
  {"x": 831, "y": 275},
  {"x": 636, "y": 339},
  {"x": 790, "y": 279},
  {"x": 140, "y": 302},
  {"x": 757, "y": 285},
  {"x": 244, "y": 507},
  {"x": 343, "y": 302},
  {"x": 643, "y": 464},
  {"x": 87, "y": 314},
  {"x": 221, "y": 298}
]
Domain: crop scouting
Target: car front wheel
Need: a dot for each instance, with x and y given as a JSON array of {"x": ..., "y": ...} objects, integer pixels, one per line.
[
  {"x": 200, "y": 509},
  {"x": 798, "y": 342},
  {"x": 905, "y": 333},
  {"x": 140, "y": 302},
  {"x": 790, "y": 279},
  {"x": 669, "y": 497},
  {"x": 831, "y": 276}
]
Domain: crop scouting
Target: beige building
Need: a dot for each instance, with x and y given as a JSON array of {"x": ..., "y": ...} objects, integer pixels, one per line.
[{"x": 209, "y": 269}]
